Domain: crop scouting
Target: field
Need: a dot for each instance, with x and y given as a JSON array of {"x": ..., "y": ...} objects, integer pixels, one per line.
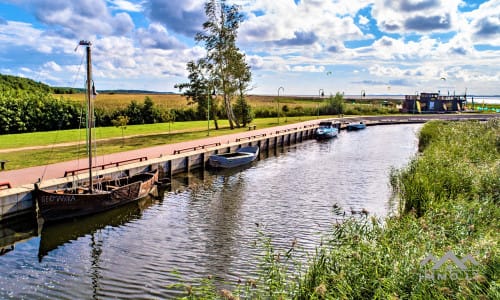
[{"x": 112, "y": 100}]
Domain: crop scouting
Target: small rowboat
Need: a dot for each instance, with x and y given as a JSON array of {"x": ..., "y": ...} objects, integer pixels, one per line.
[
  {"x": 356, "y": 126},
  {"x": 326, "y": 130},
  {"x": 240, "y": 157}
]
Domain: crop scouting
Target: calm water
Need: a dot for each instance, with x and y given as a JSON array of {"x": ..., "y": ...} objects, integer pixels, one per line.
[{"x": 210, "y": 225}]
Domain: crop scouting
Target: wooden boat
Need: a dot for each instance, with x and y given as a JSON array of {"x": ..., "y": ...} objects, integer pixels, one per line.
[
  {"x": 326, "y": 130},
  {"x": 92, "y": 197},
  {"x": 356, "y": 126},
  {"x": 240, "y": 157}
]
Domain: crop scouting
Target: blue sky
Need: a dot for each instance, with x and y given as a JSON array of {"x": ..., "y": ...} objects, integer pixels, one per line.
[{"x": 376, "y": 46}]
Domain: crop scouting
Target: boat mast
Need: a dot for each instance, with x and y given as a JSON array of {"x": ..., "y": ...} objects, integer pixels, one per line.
[{"x": 90, "y": 111}]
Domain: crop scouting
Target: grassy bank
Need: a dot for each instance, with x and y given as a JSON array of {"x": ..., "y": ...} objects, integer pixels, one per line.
[{"x": 449, "y": 206}]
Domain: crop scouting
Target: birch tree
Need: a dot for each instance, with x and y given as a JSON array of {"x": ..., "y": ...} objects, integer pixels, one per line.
[{"x": 224, "y": 61}]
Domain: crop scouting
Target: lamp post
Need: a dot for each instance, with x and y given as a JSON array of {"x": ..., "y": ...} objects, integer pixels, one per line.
[
  {"x": 415, "y": 102},
  {"x": 321, "y": 94},
  {"x": 278, "y": 112},
  {"x": 208, "y": 109},
  {"x": 363, "y": 94}
]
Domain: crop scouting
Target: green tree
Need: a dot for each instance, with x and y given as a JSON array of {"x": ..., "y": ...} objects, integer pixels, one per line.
[
  {"x": 224, "y": 64},
  {"x": 150, "y": 113},
  {"x": 169, "y": 117},
  {"x": 134, "y": 113},
  {"x": 200, "y": 90},
  {"x": 243, "y": 111},
  {"x": 335, "y": 104},
  {"x": 285, "y": 110},
  {"x": 121, "y": 122}
]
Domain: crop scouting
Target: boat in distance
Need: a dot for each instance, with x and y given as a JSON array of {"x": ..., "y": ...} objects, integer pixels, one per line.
[
  {"x": 326, "y": 130},
  {"x": 237, "y": 158},
  {"x": 356, "y": 126},
  {"x": 90, "y": 197}
]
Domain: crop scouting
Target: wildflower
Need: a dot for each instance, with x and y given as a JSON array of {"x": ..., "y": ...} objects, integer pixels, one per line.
[
  {"x": 320, "y": 290},
  {"x": 228, "y": 295}
]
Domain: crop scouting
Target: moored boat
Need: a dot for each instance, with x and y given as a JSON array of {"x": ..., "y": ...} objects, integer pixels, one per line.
[
  {"x": 60, "y": 204},
  {"x": 326, "y": 130},
  {"x": 91, "y": 196},
  {"x": 356, "y": 126},
  {"x": 237, "y": 158}
]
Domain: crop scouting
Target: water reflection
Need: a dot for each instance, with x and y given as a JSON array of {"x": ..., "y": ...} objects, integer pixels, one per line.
[
  {"x": 16, "y": 230},
  {"x": 54, "y": 235}
]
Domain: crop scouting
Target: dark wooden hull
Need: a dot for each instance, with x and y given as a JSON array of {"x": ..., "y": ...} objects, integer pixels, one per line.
[{"x": 57, "y": 205}]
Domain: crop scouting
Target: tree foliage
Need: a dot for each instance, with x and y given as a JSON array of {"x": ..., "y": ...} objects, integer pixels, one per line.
[
  {"x": 224, "y": 67},
  {"x": 10, "y": 83},
  {"x": 198, "y": 88},
  {"x": 335, "y": 104}
]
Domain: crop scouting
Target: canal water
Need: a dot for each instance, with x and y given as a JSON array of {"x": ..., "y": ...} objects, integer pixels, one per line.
[{"x": 208, "y": 223}]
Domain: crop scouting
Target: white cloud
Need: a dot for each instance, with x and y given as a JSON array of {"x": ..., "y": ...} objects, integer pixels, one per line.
[
  {"x": 312, "y": 69},
  {"x": 53, "y": 66},
  {"x": 363, "y": 20},
  {"x": 484, "y": 23},
  {"x": 408, "y": 16},
  {"x": 80, "y": 19},
  {"x": 125, "y": 5},
  {"x": 157, "y": 36}
]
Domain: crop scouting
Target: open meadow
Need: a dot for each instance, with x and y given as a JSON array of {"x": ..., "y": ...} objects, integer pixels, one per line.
[{"x": 167, "y": 101}]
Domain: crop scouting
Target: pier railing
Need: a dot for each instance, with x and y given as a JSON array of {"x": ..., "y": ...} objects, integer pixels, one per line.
[
  {"x": 194, "y": 148},
  {"x": 104, "y": 166}
]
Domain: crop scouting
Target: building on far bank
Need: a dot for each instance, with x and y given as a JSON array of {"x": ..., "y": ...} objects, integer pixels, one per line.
[{"x": 433, "y": 103}]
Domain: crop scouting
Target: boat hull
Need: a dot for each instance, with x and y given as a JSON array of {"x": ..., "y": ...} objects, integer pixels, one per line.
[
  {"x": 326, "y": 130},
  {"x": 241, "y": 157},
  {"x": 326, "y": 134},
  {"x": 359, "y": 126},
  {"x": 57, "y": 205}
]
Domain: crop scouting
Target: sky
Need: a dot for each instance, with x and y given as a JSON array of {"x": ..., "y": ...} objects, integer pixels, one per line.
[{"x": 307, "y": 47}]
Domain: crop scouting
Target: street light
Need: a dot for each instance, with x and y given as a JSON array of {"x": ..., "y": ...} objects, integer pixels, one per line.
[
  {"x": 208, "y": 109},
  {"x": 278, "y": 112},
  {"x": 321, "y": 94},
  {"x": 415, "y": 102}
]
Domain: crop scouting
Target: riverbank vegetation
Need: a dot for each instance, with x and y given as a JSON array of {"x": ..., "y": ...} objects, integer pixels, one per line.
[{"x": 443, "y": 243}]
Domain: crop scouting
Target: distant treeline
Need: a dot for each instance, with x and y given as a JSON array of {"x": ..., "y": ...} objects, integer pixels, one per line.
[{"x": 9, "y": 83}]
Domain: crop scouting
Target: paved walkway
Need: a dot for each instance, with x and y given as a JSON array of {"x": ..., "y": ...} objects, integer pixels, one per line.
[{"x": 28, "y": 176}]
